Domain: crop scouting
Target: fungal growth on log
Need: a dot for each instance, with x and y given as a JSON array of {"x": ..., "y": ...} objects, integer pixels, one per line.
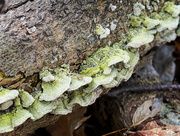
[{"x": 58, "y": 88}]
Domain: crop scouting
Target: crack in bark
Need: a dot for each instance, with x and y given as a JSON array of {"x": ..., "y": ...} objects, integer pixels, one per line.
[{"x": 7, "y": 7}]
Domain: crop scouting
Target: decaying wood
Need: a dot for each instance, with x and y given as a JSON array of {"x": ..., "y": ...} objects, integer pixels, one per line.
[
  {"x": 34, "y": 34},
  {"x": 115, "y": 110}
]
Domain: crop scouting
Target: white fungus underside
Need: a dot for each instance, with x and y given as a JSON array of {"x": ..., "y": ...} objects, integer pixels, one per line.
[{"x": 6, "y": 95}]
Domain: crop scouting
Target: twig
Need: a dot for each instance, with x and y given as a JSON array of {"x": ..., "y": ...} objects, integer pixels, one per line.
[
  {"x": 145, "y": 88},
  {"x": 130, "y": 127}
]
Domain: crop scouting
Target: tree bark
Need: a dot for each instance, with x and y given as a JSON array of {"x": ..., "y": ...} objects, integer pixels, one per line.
[{"x": 34, "y": 34}]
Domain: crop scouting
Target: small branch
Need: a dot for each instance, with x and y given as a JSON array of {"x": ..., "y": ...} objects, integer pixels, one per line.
[{"x": 145, "y": 88}]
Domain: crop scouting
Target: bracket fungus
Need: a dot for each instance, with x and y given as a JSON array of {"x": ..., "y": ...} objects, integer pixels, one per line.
[
  {"x": 39, "y": 108},
  {"x": 140, "y": 37},
  {"x": 78, "y": 82},
  {"x": 6, "y": 95},
  {"x": 54, "y": 89},
  {"x": 62, "y": 88},
  {"x": 26, "y": 98},
  {"x": 62, "y": 107},
  {"x": 102, "y": 32},
  {"x": 6, "y": 105}
]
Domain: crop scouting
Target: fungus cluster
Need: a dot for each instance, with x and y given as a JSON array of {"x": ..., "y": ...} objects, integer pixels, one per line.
[{"x": 61, "y": 88}]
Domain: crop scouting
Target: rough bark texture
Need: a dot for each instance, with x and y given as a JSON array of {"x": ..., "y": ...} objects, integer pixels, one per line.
[
  {"x": 34, "y": 34},
  {"x": 40, "y": 33}
]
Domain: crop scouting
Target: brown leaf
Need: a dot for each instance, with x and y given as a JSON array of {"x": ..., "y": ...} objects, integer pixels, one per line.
[{"x": 153, "y": 129}]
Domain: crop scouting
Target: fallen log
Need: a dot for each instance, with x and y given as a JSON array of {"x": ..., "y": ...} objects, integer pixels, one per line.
[{"x": 55, "y": 54}]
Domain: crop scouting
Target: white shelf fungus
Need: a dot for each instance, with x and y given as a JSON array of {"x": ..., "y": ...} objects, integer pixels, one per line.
[
  {"x": 6, "y": 105},
  {"x": 6, "y": 95},
  {"x": 20, "y": 116},
  {"x": 137, "y": 8},
  {"x": 39, "y": 108},
  {"x": 78, "y": 82},
  {"x": 151, "y": 23},
  {"x": 102, "y": 32},
  {"x": 26, "y": 98},
  {"x": 53, "y": 90},
  {"x": 100, "y": 80},
  {"x": 170, "y": 23},
  {"x": 5, "y": 123},
  {"x": 107, "y": 67},
  {"x": 84, "y": 99},
  {"x": 166, "y": 36},
  {"x": 140, "y": 38},
  {"x": 46, "y": 75},
  {"x": 62, "y": 107}
]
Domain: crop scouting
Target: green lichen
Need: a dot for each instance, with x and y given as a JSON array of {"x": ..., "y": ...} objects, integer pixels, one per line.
[{"x": 170, "y": 114}]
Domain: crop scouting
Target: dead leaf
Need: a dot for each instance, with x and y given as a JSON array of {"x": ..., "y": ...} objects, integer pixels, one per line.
[{"x": 153, "y": 129}]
